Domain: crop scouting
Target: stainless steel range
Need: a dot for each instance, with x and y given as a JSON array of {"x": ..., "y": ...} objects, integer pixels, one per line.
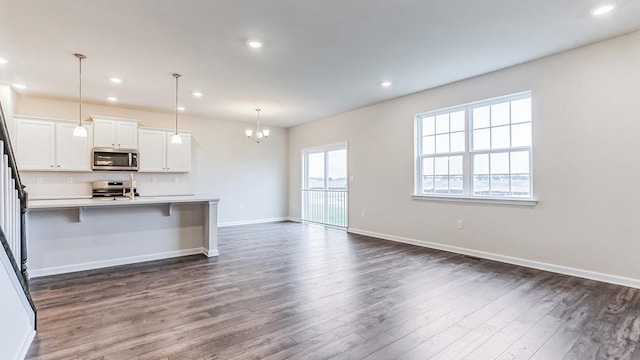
[{"x": 107, "y": 188}]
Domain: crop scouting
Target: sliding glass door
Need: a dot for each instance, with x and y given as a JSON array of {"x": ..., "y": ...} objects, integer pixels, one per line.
[{"x": 324, "y": 188}]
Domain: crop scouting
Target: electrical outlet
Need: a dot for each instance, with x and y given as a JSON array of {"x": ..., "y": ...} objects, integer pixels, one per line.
[
  {"x": 241, "y": 208},
  {"x": 361, "y": 212},
  {"x": 460, "y": 225},
  {"x": 154, "y": 179},
  {"x": 175, "y": 179},
  {"x": 352, "y": 178},
  {"x": 39, "y": 180},
  {"x": 70, "y": 180}
]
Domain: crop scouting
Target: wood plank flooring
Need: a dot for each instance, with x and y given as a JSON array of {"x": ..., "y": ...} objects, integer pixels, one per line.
[{"x": 294, "y": 291}]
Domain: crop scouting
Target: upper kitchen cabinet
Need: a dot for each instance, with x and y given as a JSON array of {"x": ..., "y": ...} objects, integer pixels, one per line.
[
  {"x": 115, "y": 133},
  {"x": 158, "y": 154},
  {"x": 49, "y": 145}
]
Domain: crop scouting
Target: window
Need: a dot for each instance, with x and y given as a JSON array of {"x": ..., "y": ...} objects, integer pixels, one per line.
[
  {"x": 324, "y": 190},
  {"x": 481, "y": 149}
]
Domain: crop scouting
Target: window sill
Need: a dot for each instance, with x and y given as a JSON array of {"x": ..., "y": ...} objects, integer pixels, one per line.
[{"x": 477, "y": 200}]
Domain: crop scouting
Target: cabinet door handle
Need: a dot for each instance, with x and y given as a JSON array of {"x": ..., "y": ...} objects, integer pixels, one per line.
[
  {"x": 113, "y": 144},
  {"x": 58, "y": 165},
  {"x": 118, "y": 145},
  {"x": 50, "y": 165}
]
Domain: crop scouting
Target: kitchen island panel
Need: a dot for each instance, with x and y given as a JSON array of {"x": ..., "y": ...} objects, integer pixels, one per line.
[{"x": 115, "y": 235}]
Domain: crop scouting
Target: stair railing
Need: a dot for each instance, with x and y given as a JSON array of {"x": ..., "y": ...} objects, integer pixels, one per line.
[{"x": 13, "y": 208}]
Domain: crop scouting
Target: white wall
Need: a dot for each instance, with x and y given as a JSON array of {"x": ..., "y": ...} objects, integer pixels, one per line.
[
  {"x": 16, "y": 326},
  {"x": 8, "y": 101},
  {"x": 250, "y": 179},
  {"x": 586, "y": 126}
]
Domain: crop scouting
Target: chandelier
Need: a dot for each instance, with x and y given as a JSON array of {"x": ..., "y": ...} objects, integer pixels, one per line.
[{"x": 258, "y": 135}]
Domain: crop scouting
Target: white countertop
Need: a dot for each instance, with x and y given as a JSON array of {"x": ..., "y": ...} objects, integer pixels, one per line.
[{"x": 141, "y": 200}]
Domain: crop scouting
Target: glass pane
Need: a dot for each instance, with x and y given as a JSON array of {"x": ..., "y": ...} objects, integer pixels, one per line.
[
  {"x": 455, "y": 185},
  {"x": 427, "y": 183},
  {"x": 521, "y": 110},
  {"x": 500, "y": 114},
  {"x": 428, "y": 126},
  {"x": 480, "y": 185},
  {"x": 427, "y": 166},
  {"x": 429, "y": 145},
  {"x": 457, "y": 142},
  {"x": 442, "y": 143},
  {"x": 315, "y": 179},
  {"x": 499, "y": 185},
  {"x": 442, "y": 165},
  {"x": 520, "y": 162},
  {"x": 481, "y": 139},
  {"x": 499, "y": 163},
  {"x": 520, "y": 185},
  {"x": 481, "y": 117},
  {"x": 442, "y": 123},
  {"x": 442, "y": 184},
  {"x": 457, "y": 121},
  {"x": 337, "y": 168},
  {"x": 455, "y": 165},
  {"x": 521, "y": 134},
  {"x": 500, "y": 137},
  {"x": 481, "y": 164}
]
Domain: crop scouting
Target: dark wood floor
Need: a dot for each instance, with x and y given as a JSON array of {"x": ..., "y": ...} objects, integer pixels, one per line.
[{"x": 288, "y": 290}]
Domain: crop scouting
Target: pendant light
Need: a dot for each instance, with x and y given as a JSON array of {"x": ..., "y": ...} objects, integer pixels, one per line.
[
  {"x": 80, "y": 130},
  {"x": 259, "y": 135},
  {"x": 176, "y": 138}
]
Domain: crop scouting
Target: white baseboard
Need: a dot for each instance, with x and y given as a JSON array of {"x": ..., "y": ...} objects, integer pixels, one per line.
[
  {"x": 252, "y": 222},
  {"x": 298, "y": 220},
  {"x": 586, "y": 274},
  {"x": 113, "y": 262},
  {"x": 210, "y": 253},
  {"x": 26, "y": 344}
]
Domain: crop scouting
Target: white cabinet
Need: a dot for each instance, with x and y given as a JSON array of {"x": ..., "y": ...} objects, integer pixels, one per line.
[
  {"x": 115, "y": 133},
  {"x": 158, "y": 154},
  {"x": 152, "y": 154},
  {"x": 49, "y": 145}
]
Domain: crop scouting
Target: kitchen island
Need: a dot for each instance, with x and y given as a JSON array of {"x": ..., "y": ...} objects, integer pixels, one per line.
[{"x": 70, "y": 235}]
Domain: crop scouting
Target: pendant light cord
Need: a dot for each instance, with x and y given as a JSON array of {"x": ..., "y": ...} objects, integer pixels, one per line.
[
  {"x": 258, "y": 127},
  {"x": 80, "y": 57},
  {"x": 176, "y": 76}
]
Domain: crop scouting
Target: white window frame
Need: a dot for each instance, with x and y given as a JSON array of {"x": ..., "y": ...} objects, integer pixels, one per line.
[{"x": 467, "y": 156}]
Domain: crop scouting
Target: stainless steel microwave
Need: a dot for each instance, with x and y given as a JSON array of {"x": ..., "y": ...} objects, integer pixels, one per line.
[{"x": 114, "y": 159}]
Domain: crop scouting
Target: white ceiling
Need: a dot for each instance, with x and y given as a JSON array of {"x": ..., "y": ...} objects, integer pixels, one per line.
[{"x": 319, "y": 57}]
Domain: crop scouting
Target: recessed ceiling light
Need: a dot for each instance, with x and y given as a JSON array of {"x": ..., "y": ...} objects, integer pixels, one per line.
[
  {"x": 116, "y": 80},
  {"x": 3, "y": 61},
  {"x": 601, "y": 10},
  {"x": 254, "y": 44},
  {"x": 112, "y": 99},
  {"x": 385, "y": 83},
  {"x": 197, "y": 94},
  {"x": 180, "y": 108},
  {"x": 19, "y": 86}
]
